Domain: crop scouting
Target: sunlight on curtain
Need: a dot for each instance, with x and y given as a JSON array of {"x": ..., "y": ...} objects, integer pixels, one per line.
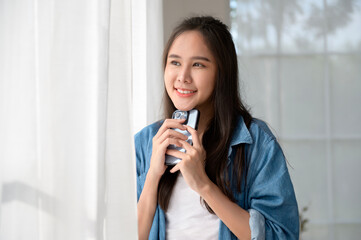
[
  {"x": 147, "y": 19},
  {"x": 66, "y": 159}
]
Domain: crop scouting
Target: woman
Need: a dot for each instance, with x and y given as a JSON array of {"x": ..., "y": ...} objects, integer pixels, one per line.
[{"x": 235, "y": 165}]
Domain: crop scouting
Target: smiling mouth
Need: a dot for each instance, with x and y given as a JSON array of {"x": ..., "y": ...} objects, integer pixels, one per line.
[{"x": 185, "y": 91}]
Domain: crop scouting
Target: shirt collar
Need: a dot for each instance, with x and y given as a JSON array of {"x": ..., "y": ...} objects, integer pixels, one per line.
[{"x": 241, "y": 133}]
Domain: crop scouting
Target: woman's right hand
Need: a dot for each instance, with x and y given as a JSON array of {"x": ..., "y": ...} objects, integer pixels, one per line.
[
  {"x": 164, "y": 137},
  {"x": 148, "y": 198}
]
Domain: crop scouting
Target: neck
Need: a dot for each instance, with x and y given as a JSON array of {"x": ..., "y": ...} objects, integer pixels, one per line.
[{"x": 204, "y": 119}]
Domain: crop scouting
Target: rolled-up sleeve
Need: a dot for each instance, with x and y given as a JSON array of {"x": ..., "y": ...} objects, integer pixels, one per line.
[
  {"x": 256, "y": 223},
  {"x": 271, "y": 197}
]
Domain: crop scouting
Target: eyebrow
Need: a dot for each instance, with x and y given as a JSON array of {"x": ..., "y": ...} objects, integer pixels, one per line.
[{"x": 195, "y": 57}]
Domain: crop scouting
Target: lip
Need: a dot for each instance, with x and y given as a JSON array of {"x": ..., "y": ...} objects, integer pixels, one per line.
[{"x": 185, "y": 94}]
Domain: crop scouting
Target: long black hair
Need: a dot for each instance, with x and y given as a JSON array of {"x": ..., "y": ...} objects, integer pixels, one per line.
[{"x": 227, "y": 105}]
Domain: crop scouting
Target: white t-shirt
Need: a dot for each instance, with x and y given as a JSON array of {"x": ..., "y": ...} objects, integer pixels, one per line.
[{"x": 187, "y": 217}]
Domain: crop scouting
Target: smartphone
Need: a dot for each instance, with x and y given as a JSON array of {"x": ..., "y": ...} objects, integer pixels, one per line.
[{"x": 191, "y": 119}]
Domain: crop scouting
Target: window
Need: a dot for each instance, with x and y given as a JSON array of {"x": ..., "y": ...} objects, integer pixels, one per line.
[{"x": 300, "y": 63}]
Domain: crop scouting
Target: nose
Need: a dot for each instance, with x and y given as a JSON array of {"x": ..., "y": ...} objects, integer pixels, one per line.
[{"x": 184, "y": 75}]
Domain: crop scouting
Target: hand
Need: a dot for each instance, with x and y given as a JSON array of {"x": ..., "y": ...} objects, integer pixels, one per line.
[
  {"x": 164, "y": 137},
  {"x": 192, "y": 165}
]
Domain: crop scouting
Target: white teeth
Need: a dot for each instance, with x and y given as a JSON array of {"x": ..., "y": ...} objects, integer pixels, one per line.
[{"x": 185, "y": 92}]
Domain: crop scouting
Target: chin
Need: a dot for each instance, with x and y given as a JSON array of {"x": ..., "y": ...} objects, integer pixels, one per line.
[{"x": 183, "y": 108}]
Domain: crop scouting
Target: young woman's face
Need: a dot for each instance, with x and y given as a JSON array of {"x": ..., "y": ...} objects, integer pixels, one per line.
[{"x": 190, "y": 72}]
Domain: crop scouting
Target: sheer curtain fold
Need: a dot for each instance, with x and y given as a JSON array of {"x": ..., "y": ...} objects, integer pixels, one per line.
[
  {"x": 147, "y": 40},
  {"x": 120, "y": 192},
  {"x": 66, "y": 159}
]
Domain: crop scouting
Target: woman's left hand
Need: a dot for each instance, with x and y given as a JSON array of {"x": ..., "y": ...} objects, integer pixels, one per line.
[
  {"x": 192, "y": 165},
  {"x": 192, "y": 168}
]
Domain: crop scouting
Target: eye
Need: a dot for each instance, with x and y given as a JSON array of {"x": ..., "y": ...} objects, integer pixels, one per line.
[
  {"x": 175, "y": 63},
  {"x": 198, "y": 65}
]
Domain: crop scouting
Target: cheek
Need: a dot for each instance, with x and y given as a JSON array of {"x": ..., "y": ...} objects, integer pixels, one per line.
[
  {"x": 167, "y": 83},
  {"x": 168, "y": 76},
  {"x": 208, "y": 84}
]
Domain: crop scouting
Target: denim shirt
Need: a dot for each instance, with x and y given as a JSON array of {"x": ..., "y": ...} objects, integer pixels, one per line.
[{"x": 268, "y": 196}]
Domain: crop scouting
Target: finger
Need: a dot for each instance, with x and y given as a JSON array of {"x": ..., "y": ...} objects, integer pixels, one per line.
[
  {"x": 170, "y": 123},
  {"x": 176, "y": 153},
  {"x": 170, "y": 133},
  {"x": 174, "y": 123},
  {"x": 186, "y": 145},
  {"x": 195, "y": 137},
  {"x": 170, "y": 141},
  {"x": 175, "y": 168},
  {"x": 190, "y": 150}
]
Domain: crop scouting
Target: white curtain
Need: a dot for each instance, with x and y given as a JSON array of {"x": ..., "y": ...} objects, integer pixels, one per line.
[
  {"x": 147, "y": 18},
  {"x": 66, "y": 147}
]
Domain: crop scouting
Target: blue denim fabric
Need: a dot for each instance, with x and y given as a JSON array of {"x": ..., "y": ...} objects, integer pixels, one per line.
[{"x": 269, "y": 196}]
